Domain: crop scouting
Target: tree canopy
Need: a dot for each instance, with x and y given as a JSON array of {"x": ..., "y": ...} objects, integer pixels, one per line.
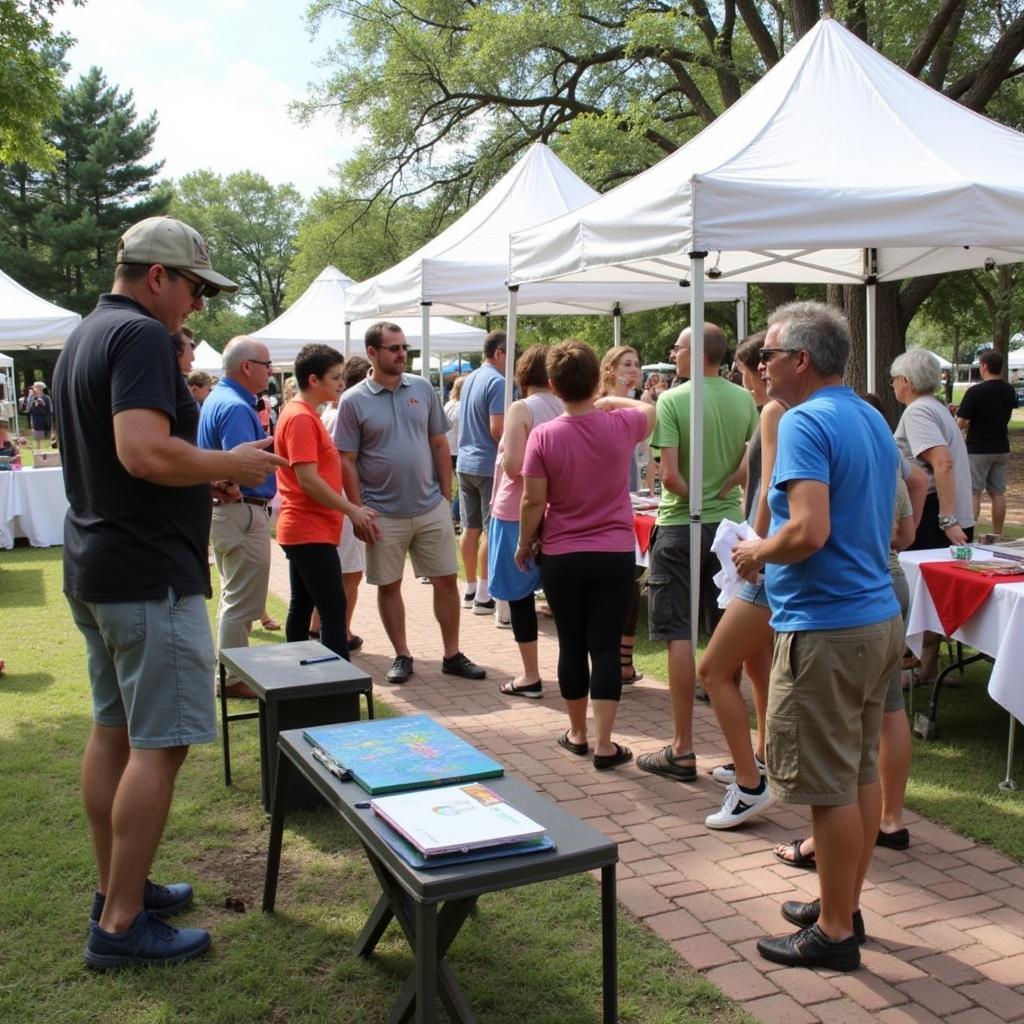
[
  {"x": 30, "y": 80},
  {"x": 448, "y": 93}
]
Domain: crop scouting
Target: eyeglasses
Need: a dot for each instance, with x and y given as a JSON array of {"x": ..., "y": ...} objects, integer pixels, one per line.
[
  {"x": 199, "y": 288},
  {"x": 766, "y": 355},
  {"x": 677, "y": 348},
  {"x": 268, "y": 363},
  {"x": 396, "y": 348}
]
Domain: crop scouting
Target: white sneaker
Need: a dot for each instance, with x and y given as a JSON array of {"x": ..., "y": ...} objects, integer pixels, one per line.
[
  {"x": 502, "y": 615},
  {"x": 737, "y": 807},
  {"x": 726, "y": 773}
]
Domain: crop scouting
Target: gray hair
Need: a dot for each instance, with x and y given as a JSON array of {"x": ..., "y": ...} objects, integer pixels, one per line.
[
  {"x": 240, "y": 348},
  {"x": 921, "y": 369},
  {"x": 817, "y": 329}
]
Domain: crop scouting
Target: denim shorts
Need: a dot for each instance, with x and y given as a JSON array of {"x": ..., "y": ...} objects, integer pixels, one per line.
[
  {"x": 151, "y": 668},
  {"x": 754, "y": 593}
]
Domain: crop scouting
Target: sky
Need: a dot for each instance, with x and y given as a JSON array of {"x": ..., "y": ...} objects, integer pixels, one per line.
[{"x": 220, "y": 75}]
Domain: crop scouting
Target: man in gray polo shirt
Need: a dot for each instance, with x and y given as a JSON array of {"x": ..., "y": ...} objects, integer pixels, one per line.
[{"x": 392, "y": 435}]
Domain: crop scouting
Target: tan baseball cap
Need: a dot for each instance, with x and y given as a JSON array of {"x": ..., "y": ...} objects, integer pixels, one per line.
[{"x": 172, "y": 244}]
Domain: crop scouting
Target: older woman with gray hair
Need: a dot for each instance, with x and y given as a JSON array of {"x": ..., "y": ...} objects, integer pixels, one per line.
[{"x": 928, "y": 435}]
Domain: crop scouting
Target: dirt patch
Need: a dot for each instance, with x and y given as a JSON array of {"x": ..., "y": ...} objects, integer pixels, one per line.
[{"x": 243, "y": 869}]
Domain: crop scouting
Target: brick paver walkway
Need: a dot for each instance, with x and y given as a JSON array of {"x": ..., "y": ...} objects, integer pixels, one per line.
[{"x": 946, "y": 918}]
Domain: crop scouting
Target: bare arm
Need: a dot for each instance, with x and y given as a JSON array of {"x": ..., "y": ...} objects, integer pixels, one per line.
[
  {"x": 738, "y": 476},
  {"x": 917, "y": 489},
  {"x": 770, "y": 416},
  {"x": 148, "y": 451},
  {"x": 941, "y": 461},
  {"x": 317, "y": 488},
  {"x": 806, "y": 531},
  {"x": 531, "y": 513},
  {"x": 517, "y": 429},
  {"x": 621, "y": 402},
  {"x": 442, "y": 464},
  {"x": 962, "y": 423},
  {"x": 903, "y": 533},
  {"x": 671, "y": 479},
  {"x": 497, "y": 425},
  {"x": 365, "y": 528}
]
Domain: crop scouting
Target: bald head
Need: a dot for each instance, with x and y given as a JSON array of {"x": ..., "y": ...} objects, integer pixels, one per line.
[{"x": 715, "y": 344}]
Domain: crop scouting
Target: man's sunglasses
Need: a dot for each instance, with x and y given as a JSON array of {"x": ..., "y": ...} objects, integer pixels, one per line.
[
  {"x": 766, "y": 355},
  {"x": 199, "y": 288},
  {"x": 396, "y": 348}
]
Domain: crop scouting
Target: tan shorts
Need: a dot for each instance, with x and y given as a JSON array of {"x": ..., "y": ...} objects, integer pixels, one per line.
[
  {"x": 825, "y": 711},
  {"x": 429, "y": 539}
]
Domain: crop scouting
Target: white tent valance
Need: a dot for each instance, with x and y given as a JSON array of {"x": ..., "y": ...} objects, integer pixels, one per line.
[
  {"x": 27, "y": 321},
  {"x": 319, "y": 315},
  {"x": 208, "y": 359}
]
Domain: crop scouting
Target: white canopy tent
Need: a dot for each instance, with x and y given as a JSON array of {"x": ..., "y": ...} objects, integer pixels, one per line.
[
  {"x": 836, "y": 167},
  {"x": 463, "y": 271},
  {"x": 27, "y": 321},
  {"x": 8, "y": 395},
  {"x": 319, "y": 315},
  {"x": 208, "y": 359}
]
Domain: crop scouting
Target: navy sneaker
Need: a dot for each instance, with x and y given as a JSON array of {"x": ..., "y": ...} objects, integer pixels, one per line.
[
  {"x": 166, "y": 900},
  {"x": 150, "y": 940}
]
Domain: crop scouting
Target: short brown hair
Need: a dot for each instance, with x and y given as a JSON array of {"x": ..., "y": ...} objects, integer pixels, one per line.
[
  {"x": 748, "y": 351},
  {"x": 532, "y": 369},
  {"x": 374, "y": 337},
  {"x": 573, "y": 370},
  {"x": 315, "y": 360},
  {"x": 200, "y": 379},
  {"x": 356, "y": 368}
]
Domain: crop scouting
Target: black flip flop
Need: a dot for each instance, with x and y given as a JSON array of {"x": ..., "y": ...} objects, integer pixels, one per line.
[
  {"x": 579, "y": 749},
  {"x": 622, "y": 755},
  {"x": 799, "y": 859}
]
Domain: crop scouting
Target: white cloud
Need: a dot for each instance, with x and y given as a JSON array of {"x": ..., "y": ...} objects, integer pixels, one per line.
[{"x": 221, "y": 76}]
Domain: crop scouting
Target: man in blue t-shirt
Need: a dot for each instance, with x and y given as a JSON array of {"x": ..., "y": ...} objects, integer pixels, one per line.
[
  {"x": 240, "y": 530},
  {"x": 839, "y": 633},
  {"x": 481, "y": 422}
]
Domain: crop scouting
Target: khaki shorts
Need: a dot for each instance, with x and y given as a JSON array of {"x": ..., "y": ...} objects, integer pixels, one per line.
[
  {"x": 825, "y": 710},
  {"x": 429, "y": 538}
]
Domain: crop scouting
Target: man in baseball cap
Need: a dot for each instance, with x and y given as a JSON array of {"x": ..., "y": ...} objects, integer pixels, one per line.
[
  {"x": 136, "y": 574},
  {"x": 176, "y": 247}
]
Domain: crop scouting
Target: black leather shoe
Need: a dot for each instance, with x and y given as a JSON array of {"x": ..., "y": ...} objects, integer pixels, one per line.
[
  {"x": 460, "y": 665},
  {"x": 811, "y": 948},
  {"x": 806, "y": 914},
  {"x": 401, "y": 669}
]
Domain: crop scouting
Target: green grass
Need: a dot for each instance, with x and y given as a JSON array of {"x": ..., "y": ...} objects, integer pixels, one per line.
[{"x": 528, "y": 955}]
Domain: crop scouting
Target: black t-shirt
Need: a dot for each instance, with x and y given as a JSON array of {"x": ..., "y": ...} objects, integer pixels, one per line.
[
  {"x": 988, "y": 406},
  {"x": 125, "y": 539}
]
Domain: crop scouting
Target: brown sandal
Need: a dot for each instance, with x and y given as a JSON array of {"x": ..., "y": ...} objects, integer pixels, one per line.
[{"x": 794, "y": 855}]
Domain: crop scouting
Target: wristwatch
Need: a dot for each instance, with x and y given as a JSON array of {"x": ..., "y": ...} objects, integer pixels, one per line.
[{"x": 947, "y": 521}]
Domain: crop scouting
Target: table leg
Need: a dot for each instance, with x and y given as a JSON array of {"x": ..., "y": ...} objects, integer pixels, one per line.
[
  {"x": 375, "y": 927},
  {"x": 1008, "y": 783},
  {"x": 426, "y": 962},
  {"x": 278, "y": 812},
  {"x": 269, "y": 729},
  {"x": 609, "y": 945},
  {"x": 224, "y": 725}
]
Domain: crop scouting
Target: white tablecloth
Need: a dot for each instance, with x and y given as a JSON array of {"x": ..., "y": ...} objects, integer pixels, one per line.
[
  {"x": 995, "y": 629},
  {"x": 32, "y": 505}
]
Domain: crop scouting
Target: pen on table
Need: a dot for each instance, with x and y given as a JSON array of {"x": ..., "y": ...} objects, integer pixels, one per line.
[
  {"x": 320, "y": 660},
  {"x": 339, "y": 771}
]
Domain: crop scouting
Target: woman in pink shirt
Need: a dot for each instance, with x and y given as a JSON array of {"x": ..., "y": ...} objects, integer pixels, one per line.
[{"x": 577, "y": 521}]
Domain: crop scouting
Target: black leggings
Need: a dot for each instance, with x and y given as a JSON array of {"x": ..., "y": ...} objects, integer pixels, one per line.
[
  {"x": 524, "y": 619},
  {"x": 315, "y": 574},
  {"x": 633, "y": 613},
  {"x": 588, "y": 592}
]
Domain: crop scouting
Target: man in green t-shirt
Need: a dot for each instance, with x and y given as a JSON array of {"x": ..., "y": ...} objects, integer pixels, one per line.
[{"x": 730, "y": 419}]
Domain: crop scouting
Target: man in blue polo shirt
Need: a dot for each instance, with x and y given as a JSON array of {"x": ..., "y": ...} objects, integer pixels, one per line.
[
  {"x": 481, "y": 422},
  {"x": 839, "y": 633},
  {"x": 240, "y": 531}
]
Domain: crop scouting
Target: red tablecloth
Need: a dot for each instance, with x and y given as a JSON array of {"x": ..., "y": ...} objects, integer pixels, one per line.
[
  {"x": 643, "y": 527},
  {"x": 958, "y": 592}
]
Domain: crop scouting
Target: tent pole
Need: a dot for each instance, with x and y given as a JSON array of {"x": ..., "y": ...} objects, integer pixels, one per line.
[
  {"x": 617, "y": 325},
  {"x": 425, "y": 339},
  {"x": 348, "y": 339},
  {"x": 510, "y": 342},
  {"x": 696, "y": 434},
  {"x": 871, "y": 339},
  {"x": 742, "y": 319}
]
